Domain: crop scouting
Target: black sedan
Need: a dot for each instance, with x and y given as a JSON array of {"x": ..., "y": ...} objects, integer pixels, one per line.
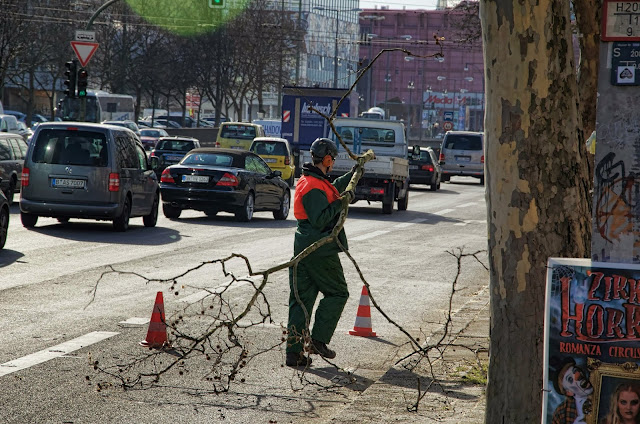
[
  {"x": 170, "y": 150},
  {"x": 424, "y": 168},
  {"x": 213, "y": 180}
]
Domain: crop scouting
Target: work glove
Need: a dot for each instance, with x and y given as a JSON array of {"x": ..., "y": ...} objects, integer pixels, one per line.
[{"x": 347, "y": 197}]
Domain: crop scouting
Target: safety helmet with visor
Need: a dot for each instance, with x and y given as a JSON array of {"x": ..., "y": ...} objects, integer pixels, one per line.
[{"x": 323, "y": 147}]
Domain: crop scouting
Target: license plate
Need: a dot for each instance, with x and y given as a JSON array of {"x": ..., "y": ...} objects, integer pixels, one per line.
[
  {"x": 271, "y": 160},
  {"x": 67, "y": 183},
  {"x": 413, "y": 166},
  {"x": 173, "y": 158},
  {"x": 195, "y": 179},
  {"x": 463, "y": 158}
]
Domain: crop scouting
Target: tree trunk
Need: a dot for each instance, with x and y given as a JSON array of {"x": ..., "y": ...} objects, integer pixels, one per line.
[{"x": 537, "y": 198}]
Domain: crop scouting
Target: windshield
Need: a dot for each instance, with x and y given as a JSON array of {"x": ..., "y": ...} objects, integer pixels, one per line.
[
  {"x": 180, "y": 145},
  {"x": 275, "y": 148},
  {"x": 367, "y": 135},
  {"x": 70, "y": 147},
  {"x": 244, "y": 132},
  {"x": 213, "y": 159}
]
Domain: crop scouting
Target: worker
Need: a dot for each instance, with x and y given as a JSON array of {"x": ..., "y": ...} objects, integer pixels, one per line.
[{"x": 317, "y": 206}]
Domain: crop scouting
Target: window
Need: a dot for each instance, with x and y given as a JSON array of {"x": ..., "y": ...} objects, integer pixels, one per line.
[
  {"x": 464, "y": 142},
  {"x": 127, "y": 156},
  {"x": 142, "y": 158},
  {"x": 19, "y": 147},
  {"x": 255, "y": 164},
  {"x": 5, "y": 149},
  {"x": 61, "y": 147}
]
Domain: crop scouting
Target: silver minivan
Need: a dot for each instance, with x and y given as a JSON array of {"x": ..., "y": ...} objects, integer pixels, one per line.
[
  {"x": 91, "y": 171},
  {"x": 462, "y": 153}
]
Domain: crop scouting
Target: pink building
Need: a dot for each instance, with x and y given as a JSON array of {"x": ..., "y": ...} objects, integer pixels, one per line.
[{"x": 423, "y": 91}]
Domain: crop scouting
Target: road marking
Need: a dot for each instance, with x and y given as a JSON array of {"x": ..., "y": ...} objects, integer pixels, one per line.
[
  {"x": 471, "y": 221},
  {"x": 199, "y": 295},
  {"x": 465, "y": 205},
  {"x": 410, "y": 223},
  {"x": 54, "y": 352},
  {"x": 135, "y": 321},
  {"x": 442, "y": 212},
  {"x": 369, "y": 235}
]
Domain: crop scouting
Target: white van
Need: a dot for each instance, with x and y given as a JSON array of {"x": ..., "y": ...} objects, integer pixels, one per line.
[{"x": 462, "y": 153}]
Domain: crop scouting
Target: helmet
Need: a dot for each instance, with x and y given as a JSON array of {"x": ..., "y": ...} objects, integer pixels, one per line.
[{"x": 323, "y": 147}]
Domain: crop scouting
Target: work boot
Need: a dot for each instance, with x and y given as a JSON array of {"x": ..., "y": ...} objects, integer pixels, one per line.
[
  {"x": 297, "y": 359},
  {"x": 321, "y": 349}
]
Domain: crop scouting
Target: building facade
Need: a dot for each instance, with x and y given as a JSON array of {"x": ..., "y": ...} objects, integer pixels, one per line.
[{"x": 422, "y": 88}]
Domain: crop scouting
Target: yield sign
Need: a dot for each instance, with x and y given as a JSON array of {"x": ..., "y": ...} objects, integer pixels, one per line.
[{"x": 84, "y": 51}]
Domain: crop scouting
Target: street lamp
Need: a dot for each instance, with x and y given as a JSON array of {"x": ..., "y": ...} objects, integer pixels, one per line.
[
  {"x": 410, "y": 87},
  {"x": 335, "y": 51}
]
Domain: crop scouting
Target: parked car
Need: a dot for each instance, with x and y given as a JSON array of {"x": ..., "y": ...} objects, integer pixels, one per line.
[
  {"x": 163, "y": 123},
  {"x": 12, "y": 153},
  {"x": 36, "y": 118},
  {"x": 127, "y": 124},
  {"x": 238, "y": 135},
  {"x": 170, "y": 150},
  {"x": 9, "y": 124},
  {"x": 149, "y": 137},
  {"x": 276, "y": 152},
  {"x": 424, "y": 168},
  {"x": 462, "y": 153},
  {"x": 4, "y": 220},
  {"x": 24, "y": 131},
  {"x": 214, "y": 179},
  {"x": 91, "y": 171}
]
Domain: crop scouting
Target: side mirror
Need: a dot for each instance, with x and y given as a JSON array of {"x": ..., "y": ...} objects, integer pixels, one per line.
[
  {"x": 276, "y": 173},
  {"x": 155, "y": 163}
]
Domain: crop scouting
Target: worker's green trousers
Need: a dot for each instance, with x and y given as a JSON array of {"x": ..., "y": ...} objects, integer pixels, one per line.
[{"x": 316, "y": 274}]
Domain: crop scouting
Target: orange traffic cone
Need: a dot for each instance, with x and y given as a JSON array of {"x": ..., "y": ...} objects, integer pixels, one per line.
[
  {"x": 157, "y": 334},
  {"x": 362, "y": 326}
]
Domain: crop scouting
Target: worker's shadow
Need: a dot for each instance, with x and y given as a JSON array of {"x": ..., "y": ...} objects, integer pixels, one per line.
[{"x": 342, "y": 378}]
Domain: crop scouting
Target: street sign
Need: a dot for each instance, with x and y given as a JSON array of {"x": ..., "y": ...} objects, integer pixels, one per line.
[
  {"x": 625, "y": 59},
  {"x": 84, "y": 51},
  {"x": 447, "y": 125},
  {"x": 86, "y": 36},
  {"x": 448, "y": 115}
]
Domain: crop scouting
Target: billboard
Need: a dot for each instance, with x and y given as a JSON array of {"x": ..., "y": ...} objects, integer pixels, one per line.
[{"x": 592, "y": 342}]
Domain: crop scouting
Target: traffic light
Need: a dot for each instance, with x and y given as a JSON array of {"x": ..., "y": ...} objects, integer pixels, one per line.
[
  {"x": 82, "y": 82},
  {"x": 70, "y": 82},
  {"x": 216, "y": 3}
]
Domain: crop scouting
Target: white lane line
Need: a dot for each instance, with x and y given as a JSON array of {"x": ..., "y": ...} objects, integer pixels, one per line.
[
  {"x": 471, "y": 221},
  {"x": 465, "y": 205},
  {"x": 442, "y": 212},
  {"x": 410, "y": 223},
  {"x": 135, "y": 321},
  {"x": 368, "y": 235},
  {"x": 54, "y": 352},
  {"x": 199, "y": 295}
]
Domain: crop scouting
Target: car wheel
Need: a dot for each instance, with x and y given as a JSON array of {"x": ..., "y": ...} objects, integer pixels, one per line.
[
  {"x": 63, "y": 220},
  {"x": 171, "y": 212},
  {"x": 10, "y": 191},
  {"x": 121, "y": 223},
  {"x": 445, "y": 178},
  {"x": 403, "y": 202},
  {"x": 4, "y": 226},
  {"x": 433, "y": 187},
  {"x": 387, "y": 207},
  {"x": 291, "y": 181},
  {"x": 438, "y": 186},
  {"x": 482, "y": 180},
  {"x": 246, "y": 213},
  {"x": 285, "y": 203},
  {"x": 28, "y": 220},
  {"x": 151, "y": 219}
]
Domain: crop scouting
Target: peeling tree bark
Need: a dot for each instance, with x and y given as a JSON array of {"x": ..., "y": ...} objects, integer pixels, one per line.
[{"x": 537, "y": 199}]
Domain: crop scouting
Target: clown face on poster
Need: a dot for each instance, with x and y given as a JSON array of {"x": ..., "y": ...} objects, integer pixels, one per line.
[{"x": 592, "y": 343}]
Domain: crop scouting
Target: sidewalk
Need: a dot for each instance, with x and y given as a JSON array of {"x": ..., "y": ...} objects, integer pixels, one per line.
[{"x": 457, "y": 395}]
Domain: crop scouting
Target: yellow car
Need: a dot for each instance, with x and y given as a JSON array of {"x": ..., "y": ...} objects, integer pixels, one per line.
[
  {"x": 277, "y": 153},
  {"x": 238, "y": 135}
]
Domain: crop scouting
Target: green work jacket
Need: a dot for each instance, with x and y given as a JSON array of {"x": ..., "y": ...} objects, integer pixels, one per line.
[{"x": 322, "y": 216}]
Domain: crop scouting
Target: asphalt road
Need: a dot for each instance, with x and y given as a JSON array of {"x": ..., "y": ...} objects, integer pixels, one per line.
[{"x": 58, "y": 317}]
